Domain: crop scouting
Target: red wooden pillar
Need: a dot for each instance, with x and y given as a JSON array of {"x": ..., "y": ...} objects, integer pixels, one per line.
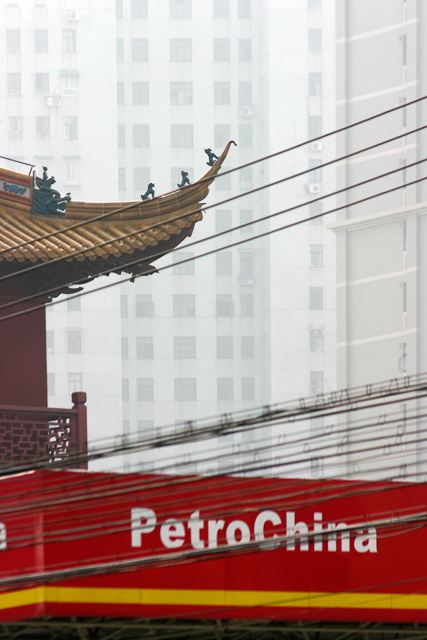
[{"x": 23, "y": 374}]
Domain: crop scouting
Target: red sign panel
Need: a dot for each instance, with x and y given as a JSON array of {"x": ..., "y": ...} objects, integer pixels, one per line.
[
  {"x": 15, "y": 187},
  {"x": 86, "y": 544}
]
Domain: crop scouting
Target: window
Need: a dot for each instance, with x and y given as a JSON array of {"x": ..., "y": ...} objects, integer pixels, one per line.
[
  {"x": 221, "y": 50},
  {"x": 314, "y": 126},
  {"x": 181, "y": 135},
  {"x": 404, "y": 357},
  {"x": 248, "y": 347},
  {"x": 224, "y": 263},
  {"x": 246, "y": 216},
  {"x": 186, "y": 268},
  {"x": 123, "y": 306},
  {"x": 69, "y": 85},
  {"x": 125, "y": 348},
  {"x": 119, "y": 50},
  {"x": 245, "y": 178},
  {"x": 244, "y": 9},
  {"x": 120, "y": 93},
  {"x": 315, "y": 40},
  {"x": 42, "y": 84},
  {"x": 144, "y": 348},
  {"x": 404, "y": 49},
  {"x": 221, "y": 8},
  {"x": 70, "y": 128},
  {"x": 404, "y": 236},
  {"x": 248, "y": 388},
  {"x": 13, "y": 84},
  {"x": 184, "y": 348},
  {"x": 125, "y": 389},
  {"x": 141, "y": 178},
  {"x": 224, "y": 182},
  {"x": 139, "y": 93},
  {"x": 247, "y": 264},
  {"x": 225, "y": 389},
  {"x": 222, "y": 220},
  {"x": 119, "y": 9},
  {"x": 145, "y": 429},
  {"x": 315, "y": 167},
  {"x": 144, "y": 389},
  {"x": 121, "y": 136},
  {"x": 314, "y": 4},
  {"x": 72, "y": 174},
  {"x": 138, "y": 9},
  {"x": 176, "y": 177},
  {"x": 42, "y": 128},
  {"x": 224, "y": 305},
  {"x": 41, "y": 40},
  {"x": 245, "y": 135},
  {"x": 50, "y": 342},
  {"x": 181, "y": 92},
  {"x": 222, "y": 135},
  {"x": 316, "y": 382},
  {"x": 144, "y": 306},
  {"x": 13, "y": 40},
  {"x": 405, "y": 297},
  {"x": 69, "y": 41},
  {"x": 74, "y": 341},
  {"x": 316, "y": 255},
  {"x": 245, "y": 50},
  {"x": 404, "y": 113},
  {"x": 185, "y": 389},
  {"x": 315, "y": 84},
  {"x": 14, "y": 126},
  {"x": 316, "y": 209},
  {"x": 141, "y": 136},
  {"x": 245, "y": 93},
  {"x": 247, "y": 305},
  {"x": 50, "y": 384},
  {"x": 122, "y": 179},
  {"x": 224, "y": 347},
  {"x": 316, "y": 298},
  {"x": 139, "y": 50},
  {"x": 74, "y": 382},
  {"x": 74, "y": 303},
  {"x": 317, "y": 426},
  {"x": 181, "y": 50},
  {"x": 184, "y": 306},
  {"x": 180, "y": 8},
  {"x": 316, "y": 339},
  {"x": 221, "y": 93}
]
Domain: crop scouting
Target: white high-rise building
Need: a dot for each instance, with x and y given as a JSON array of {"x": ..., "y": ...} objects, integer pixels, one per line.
[{"x": 112, "y": 96}]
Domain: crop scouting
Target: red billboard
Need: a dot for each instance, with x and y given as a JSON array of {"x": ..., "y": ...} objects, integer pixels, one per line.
[{"x": 91, "y": 544}]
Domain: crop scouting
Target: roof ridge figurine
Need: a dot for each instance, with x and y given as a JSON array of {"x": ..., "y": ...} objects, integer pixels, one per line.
[
  {"x": 149, "y": 192},
  {"x": 48, "y": 201},
  {"x": 185, "y": 179},
  {"x": 212, "y": 157}
]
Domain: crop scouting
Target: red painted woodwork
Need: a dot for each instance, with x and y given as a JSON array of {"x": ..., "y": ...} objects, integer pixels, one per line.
[{"x": 23, "y": 375}]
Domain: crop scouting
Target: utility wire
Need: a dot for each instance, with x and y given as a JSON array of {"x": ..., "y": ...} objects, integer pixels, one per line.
[{"x": 273, "y": 155}]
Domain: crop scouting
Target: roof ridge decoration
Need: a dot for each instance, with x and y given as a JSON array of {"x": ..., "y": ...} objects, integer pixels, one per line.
[{"x": 46, "y": 200}]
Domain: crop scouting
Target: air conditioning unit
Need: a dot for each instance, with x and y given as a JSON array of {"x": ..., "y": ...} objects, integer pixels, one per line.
[
  {"x": 316, "y": 146},
  {"x": 73, "y": 16},
  {"x": 313, "y": 188},
  {"x": 246, "y": 279},
  {"x": 246, "y": 112},
  {"x": 53, "y": 101}
]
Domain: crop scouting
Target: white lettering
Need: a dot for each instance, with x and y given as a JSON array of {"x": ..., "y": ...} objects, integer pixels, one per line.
[
  {"x": 3, "y": 542},
  {"x": 261, "y": 520},
  {"x": 366, "y": 543},
  {"x": 332, "y": 537},
  {"x": 233, "y": 527},
  {"x": 196, "y": 525},
  {"x": 172, "y": 533},
  {"x": 213, "y": 527},
  {"x": 318, "y": 540},
  {"x": 298, "y": 529},
  {"x": 137, "y": 527}
]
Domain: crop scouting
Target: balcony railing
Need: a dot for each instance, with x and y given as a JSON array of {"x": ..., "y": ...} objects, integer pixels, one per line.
[{"x": 39, "y": 435}]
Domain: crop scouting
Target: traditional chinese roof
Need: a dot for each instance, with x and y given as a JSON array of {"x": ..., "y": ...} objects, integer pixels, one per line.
[{"x": 95, "y": 238}]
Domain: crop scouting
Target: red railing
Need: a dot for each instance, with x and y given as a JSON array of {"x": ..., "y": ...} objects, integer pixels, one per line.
[{"x": 44, "y": 435}]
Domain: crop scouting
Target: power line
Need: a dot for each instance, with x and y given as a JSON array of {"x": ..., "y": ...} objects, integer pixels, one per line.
[
  {"x": 267, "y": 233},
  {"x": 277, "y": 153}
]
